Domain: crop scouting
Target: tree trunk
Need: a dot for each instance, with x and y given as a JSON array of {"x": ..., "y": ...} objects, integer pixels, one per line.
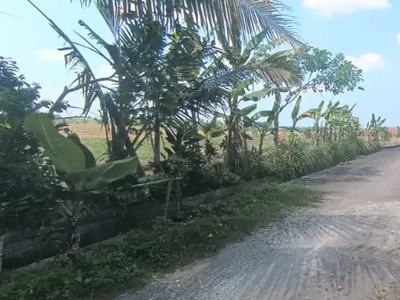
[
  {"x": 276, "y": 129},
  {"x": 2, "y": 240},
  {"x": 261, "y": 143},
  {"x": 245, "y": 141},
  {"x": 260, "y": 148},
  {"x": 234, "y": 142},
  {"x": 166, "y": 208},
  {"x": 157, "y": 141}
]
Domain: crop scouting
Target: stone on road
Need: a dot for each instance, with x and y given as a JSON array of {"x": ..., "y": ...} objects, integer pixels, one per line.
[{"x": 346, "y": 248}]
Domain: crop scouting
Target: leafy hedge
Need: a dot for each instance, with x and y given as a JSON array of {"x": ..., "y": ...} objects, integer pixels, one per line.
[{"x": 294, "y": 162}]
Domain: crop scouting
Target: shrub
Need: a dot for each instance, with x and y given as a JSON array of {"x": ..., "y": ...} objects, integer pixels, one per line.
[{"x": 285, "y": 164}]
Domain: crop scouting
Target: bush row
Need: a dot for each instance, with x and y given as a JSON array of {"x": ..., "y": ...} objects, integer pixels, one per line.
[{"x": 300, "y": 160}]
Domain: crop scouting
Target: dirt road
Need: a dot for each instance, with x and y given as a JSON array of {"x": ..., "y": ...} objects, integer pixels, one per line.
[{"x": 347, "y": 248}]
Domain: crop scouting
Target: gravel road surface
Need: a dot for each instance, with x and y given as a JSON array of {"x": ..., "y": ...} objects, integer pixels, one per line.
[{"x": 346, "y": 248}]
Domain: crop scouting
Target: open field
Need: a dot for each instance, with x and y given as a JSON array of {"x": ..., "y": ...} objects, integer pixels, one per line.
[{"x": 94, "y": 137}]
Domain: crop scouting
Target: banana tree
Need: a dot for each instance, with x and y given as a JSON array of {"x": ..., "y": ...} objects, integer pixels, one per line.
[
  {"x": 277, "y": 107},
  {"x": 263, "y": 127},
  {"x": 77, "y": 167},
  {"x": 159, "y": 84},
  {"x": 296, "y": 117},
  {"x": 375, "y": 127},
  {"x": 211, "y": 130},
  {"x": 321, "y": 71},
  {"x": 343, "y": 123},
  {"x": 330, "y": 115},
  {"x": 316, "y": 115}
]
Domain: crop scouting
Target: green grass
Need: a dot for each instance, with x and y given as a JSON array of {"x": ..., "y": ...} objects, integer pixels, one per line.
[
  {"x": 128, "y": 261},
  {"x": 145, "y": 152},
  {"x": 98, "y": 147}
]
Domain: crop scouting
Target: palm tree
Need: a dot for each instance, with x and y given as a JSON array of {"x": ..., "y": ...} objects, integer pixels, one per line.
[
  {"x": 137, "y": 55},
  {"x": 228, "y": 20}
]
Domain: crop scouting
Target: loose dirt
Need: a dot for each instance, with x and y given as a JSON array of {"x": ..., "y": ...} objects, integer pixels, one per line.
[{"x": 347, "y": 248}]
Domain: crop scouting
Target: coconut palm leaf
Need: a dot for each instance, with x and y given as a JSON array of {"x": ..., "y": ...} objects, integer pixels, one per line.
[
  {"x": 227, "y": 19},
  {"x": 75, "y": 60}
]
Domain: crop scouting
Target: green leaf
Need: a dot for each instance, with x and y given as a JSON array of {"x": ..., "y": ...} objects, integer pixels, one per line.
[
  {"x": 90, "y": 161},
  {"x": 263, "y": 114},
  {"x": 318, "y": 112},
  {"x": 216, "y": 134},
  {"x": 296, "y": 109},
  {"x": 255, "y": 42},
  {"x": 63, "y": 152},
  {"x": 257, "y": 95},
  {"x": 247, "y": 110},
  {"x": 239, "y": 90},
  {"x": 248, "y": 122},
  {"x": 246, "y": 136},
  {"x": 196, "y": 137},
  {"x": 101, "y": 176}
]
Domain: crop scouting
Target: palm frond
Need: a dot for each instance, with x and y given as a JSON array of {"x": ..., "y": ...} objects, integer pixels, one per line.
[
  {"x": 75, "y": 60},
  {"x": 227, "y": 19}
]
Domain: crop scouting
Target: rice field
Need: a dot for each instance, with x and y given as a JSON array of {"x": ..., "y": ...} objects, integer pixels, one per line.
[{"x": 92, "y": 134}]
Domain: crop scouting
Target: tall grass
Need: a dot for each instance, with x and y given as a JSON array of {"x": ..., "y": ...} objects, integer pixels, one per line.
[{"x": 307, "y": 158}]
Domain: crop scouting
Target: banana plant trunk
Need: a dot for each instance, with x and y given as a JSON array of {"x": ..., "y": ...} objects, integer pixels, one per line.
[
  {"x": 276, "y": 129},
  {"x": 277, "y": 109},
  {"x": 260, "y": 147},
  {"x": 2, "y": 240},
  {"x": 157, "y": 141},
  {"x": 317, "y": 132},
  {"x": 245, "y": 141},
  {"x": 195, "y": 121},
  {"x": 234, "y": 140},
  {"x": 261, "y": 143}
]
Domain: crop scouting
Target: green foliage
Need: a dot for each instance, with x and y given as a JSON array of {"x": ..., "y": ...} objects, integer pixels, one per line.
[
  {"x": 165, "y": 77},
  {"x": 333, "y": 73},
  {"x": 302, "y": 159},
  {"x": 63, "y": 152},
  {"x": 101, "y": 176},
  {"x": 90, "y": 161},
  {"x": 17, "y": 99},
  {"x": 28, "y": 187},
  {"x": 67, "y": 156},
  {"x": 130, "y": 260},
  {"x": 376, "y": 130},
  {"x": 28, "y": 192}
]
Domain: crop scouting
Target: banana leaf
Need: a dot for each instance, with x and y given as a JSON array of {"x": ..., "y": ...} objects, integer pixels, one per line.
[
  {"x": 99, "y": 177},
  {"x": 90, "y": 161},
  {"x": 63, "y": 152}
]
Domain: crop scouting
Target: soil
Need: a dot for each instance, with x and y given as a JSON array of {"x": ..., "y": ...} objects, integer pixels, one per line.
[{"x": 346, "y": 248}]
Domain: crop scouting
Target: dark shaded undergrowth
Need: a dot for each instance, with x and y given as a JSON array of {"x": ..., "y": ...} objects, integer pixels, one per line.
[{"x": 128, "y": 261}]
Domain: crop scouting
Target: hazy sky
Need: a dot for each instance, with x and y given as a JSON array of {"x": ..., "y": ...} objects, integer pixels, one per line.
[{"x": 365, "y": 31}]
